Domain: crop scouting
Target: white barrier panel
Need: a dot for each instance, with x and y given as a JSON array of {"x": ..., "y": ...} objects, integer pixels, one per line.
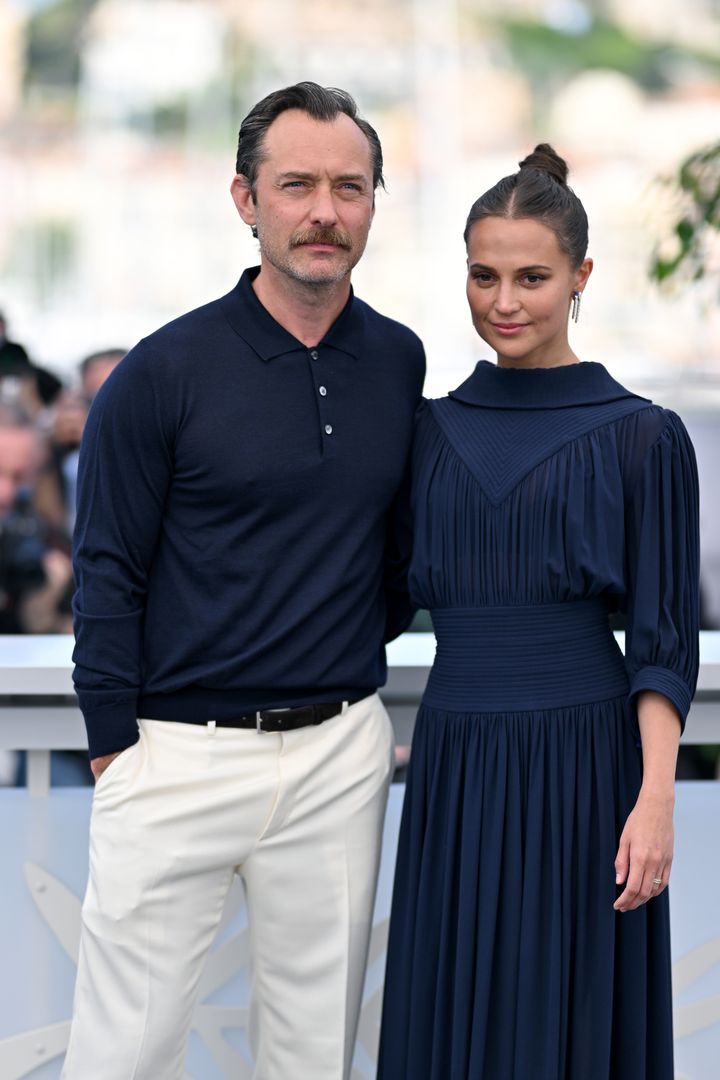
[
  {"x": 44, "y": 853},
  {"x": 695, "y": 910}
]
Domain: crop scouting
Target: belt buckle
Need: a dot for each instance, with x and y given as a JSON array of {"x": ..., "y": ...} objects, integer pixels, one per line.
[{"x": 260, "y": 716}]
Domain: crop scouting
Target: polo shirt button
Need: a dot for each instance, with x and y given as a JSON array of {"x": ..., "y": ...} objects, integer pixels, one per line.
[
  {"x": 328, "y": 429},
  {"x": 323, "y": 391},
  {"x": 314, "y": 354}
]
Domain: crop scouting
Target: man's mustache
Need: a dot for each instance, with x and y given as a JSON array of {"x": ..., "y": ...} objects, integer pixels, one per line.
[{"x": 322, "y": 236}]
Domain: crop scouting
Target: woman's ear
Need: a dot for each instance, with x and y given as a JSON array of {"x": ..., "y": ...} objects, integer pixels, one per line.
[{"x": 582, "y": 274}]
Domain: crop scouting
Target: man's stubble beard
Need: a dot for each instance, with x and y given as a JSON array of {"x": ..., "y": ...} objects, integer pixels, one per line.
[{"x": 320, "y": 278}]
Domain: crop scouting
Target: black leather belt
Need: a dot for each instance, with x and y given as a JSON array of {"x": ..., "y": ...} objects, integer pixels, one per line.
[{"x": 265, "y": 720}]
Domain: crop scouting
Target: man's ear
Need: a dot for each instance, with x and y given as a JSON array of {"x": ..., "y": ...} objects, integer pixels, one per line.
[{"x": 242, "y": 196}]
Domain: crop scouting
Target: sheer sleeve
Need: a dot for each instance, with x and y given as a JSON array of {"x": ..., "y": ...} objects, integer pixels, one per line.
[{"x": 663, "y": 570}]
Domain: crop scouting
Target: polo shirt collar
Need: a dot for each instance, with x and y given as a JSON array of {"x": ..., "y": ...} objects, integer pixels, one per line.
[
  {"x": 258, "y": 329},
  {"x": 540, "y": 388}
]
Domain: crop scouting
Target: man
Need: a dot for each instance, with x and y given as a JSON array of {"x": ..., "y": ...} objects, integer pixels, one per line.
[
  {"x": 235, "y": 569},
  {"x": 13, "y": 356},
  {"x": 69, "y": 418},
  {"x": 33, "y": 574},
  {"x": 19, "y": 458},
  {"x": 94, "y": 370},
  {"x": 31, "y": 386}
]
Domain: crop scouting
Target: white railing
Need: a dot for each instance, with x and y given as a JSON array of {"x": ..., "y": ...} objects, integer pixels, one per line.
[{"x": 39, "y": 713}]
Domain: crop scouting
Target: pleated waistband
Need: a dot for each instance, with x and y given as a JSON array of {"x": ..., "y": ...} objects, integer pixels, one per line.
[{"x": 538, "y": 656}]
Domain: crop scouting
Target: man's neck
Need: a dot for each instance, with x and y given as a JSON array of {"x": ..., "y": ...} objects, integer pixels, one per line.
[{"x": 305, "y": 311}]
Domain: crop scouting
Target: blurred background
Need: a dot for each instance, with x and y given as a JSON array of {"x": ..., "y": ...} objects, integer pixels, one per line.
[
  {"x": 119, "y": 121},
  {"x": 118, "y": 126}
]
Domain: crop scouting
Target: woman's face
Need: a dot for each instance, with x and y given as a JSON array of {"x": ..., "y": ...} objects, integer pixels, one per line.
[{"x": 519, "y": 287}]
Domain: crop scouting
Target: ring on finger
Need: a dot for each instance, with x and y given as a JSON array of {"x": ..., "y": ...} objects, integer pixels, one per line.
[{"x": 657, "y": 881}]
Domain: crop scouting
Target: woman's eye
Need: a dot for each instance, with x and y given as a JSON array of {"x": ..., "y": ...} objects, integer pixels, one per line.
[{"x": 534, "y": 279}]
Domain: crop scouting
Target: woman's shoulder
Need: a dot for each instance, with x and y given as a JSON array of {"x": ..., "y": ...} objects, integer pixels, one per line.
[{"x": 645, "y": 427}]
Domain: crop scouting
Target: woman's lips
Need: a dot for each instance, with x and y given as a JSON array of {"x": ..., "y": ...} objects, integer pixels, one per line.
[{"x": 508, "y": 329}]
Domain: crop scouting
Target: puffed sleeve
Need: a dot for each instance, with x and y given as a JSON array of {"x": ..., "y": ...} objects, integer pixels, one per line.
[{"x": 661, "y": 651}]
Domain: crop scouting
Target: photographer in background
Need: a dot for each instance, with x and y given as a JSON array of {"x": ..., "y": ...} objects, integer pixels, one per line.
[
  {"x": 12, "y": 355},
  {"x": 70, "y": 414},
  {"x": 33, "y": 574}
]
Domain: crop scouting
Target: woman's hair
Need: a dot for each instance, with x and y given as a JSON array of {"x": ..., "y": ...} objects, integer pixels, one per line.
[{"x": 538, "y": 190}]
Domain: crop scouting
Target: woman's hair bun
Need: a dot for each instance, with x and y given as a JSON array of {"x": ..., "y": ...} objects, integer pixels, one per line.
[{"x": 547, "y": 160}]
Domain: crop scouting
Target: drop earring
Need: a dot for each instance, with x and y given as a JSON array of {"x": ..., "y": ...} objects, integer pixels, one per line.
[{"x": 575, "y": 308}]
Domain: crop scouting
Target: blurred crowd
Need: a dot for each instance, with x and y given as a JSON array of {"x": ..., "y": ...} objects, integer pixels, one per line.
[{"x": 41, "y": 424}]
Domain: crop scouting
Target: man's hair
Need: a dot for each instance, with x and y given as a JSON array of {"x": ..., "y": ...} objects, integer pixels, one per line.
[
  {"x": 13, "y": 418},
  {"x": 103, "y": 354},
  {"x": 319, "y": 102}
]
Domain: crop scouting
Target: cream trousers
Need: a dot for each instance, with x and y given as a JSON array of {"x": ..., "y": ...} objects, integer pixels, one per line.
[{"x": 299, "y": 816}]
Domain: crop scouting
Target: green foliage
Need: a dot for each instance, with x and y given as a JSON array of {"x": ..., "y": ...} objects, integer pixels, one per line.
[
  {"x": 44, "y": 252},
  {"x": 682, "y": 256},
  {"x": 54, "y": 43},
  {"x": 550, "y": 56}
]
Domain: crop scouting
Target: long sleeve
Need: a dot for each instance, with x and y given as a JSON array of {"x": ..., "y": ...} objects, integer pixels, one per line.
[
  {"x": 663, "y": 570},
  {"x": 123, "y": 478},
  {"x": 398, "y": 550}
]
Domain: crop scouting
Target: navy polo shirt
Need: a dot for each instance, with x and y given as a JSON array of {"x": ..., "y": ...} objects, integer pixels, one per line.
[{"x": 239, "y": 508}]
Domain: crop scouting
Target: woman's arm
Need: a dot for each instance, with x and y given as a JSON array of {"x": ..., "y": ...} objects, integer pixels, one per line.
[{"x": 646, "y": 846}]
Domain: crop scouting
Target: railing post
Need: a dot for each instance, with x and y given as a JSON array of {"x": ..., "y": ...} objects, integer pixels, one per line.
[{"x": 38, "y": 772}]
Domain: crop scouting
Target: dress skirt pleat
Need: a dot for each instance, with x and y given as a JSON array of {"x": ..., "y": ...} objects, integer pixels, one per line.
[{"x": 505, "y": 889}]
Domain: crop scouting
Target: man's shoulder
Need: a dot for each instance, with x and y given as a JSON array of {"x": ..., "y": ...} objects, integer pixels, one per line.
[
  {"x": 184, "y": 343},
  {"x": 390, "y": 330},
  {"x": 187, "y": 328}
]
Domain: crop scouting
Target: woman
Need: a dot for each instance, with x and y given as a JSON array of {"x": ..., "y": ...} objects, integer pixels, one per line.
[{"x": 529, "y": 935}]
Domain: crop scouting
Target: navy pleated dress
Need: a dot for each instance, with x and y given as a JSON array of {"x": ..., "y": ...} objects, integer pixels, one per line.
[{"x": 543, "y": 499}]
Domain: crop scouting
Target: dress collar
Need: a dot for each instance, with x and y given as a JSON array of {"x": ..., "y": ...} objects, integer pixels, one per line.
[
  {"x": 256, "y": 326},
  {"x": 540, "y": 388}
]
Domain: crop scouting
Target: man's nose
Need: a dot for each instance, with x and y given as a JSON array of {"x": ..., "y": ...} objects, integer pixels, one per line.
[{"x": 322, "y": 209}]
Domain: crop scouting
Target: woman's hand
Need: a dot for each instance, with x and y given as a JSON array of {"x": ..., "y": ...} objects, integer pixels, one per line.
[{"x": 645, "y": 853}]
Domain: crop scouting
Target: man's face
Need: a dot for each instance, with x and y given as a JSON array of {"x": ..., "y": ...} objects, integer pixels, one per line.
[
  {"x": 18, "y": 463},
  {"x": 313, "y": 202},
  {"x": 95, "y": 375}
]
